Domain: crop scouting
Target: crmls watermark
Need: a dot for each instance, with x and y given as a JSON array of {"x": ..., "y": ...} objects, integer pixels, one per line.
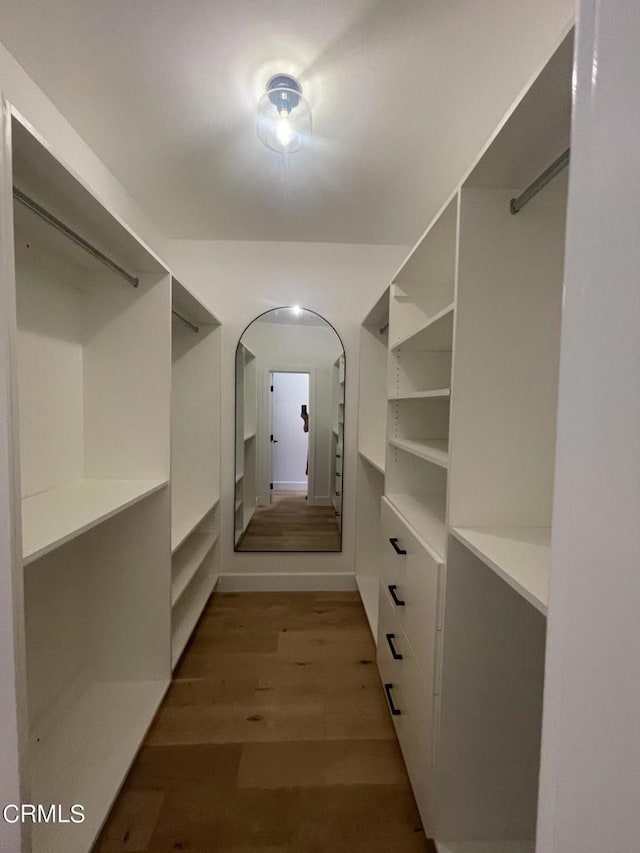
[{"x": 37, "y": 813}]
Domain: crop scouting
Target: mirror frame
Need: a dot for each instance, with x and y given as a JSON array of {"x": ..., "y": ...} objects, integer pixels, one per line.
[{"x": 235, "y": 431}]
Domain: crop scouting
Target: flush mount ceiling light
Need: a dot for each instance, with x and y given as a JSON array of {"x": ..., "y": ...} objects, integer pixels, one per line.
[{"x": 284, "y": 116}]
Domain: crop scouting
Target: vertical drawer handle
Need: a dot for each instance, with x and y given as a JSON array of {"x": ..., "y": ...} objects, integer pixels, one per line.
[
  {"x": 397, "y": 601},
  {"x": 394, "y": 711},
  {"x": 394, "y": 653},
  {"x": 396, "y": 547}
]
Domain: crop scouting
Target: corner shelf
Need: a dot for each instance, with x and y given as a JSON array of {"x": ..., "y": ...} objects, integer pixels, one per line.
[
  {"x": 433, "y": 450},
  {"x": 519, "y": 555},
  {"x": 52, "y": 518},
  {"x": 426, "y": 514}
]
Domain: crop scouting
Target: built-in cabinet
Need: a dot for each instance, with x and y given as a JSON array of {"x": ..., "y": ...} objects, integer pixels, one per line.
[
  {"x": 471, "y": 356},
  {"x": 246, "y": 439},
  {"x": 116, "y": 427}
]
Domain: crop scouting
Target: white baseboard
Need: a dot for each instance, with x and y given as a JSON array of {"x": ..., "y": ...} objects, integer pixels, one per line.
[
  {"x": 290, "y": 486},
  {"x": 287, "y": 582}
]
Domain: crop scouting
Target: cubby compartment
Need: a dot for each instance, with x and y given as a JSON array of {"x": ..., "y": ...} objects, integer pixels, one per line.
[
  {"x": 97, "y": 633},
  {"x": 195, "y": 570}
]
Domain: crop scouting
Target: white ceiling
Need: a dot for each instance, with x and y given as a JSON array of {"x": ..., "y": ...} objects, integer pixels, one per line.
[{"x": 402, "y": 92}]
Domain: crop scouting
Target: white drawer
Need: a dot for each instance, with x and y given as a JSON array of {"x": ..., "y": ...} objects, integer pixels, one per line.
[
  {"x": 416, "y": 579},
  {"x": 409, "y": 694}
]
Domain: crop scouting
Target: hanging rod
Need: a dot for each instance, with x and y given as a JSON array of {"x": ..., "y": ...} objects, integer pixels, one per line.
[
  {"x": 383, "y": 329},
  {"x": 188, "y": 323},
  {"x": 516, "y": 204},
  {"x": 73, "y": 236}
]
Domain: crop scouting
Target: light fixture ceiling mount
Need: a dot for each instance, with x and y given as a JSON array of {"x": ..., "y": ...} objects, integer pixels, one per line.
[{"x": 284, "y": 116}]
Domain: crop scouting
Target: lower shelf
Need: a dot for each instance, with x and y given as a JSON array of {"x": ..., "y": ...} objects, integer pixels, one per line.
[
  {"x": 50, "y": 519},
  {"x": 188, "y": 560},
  {"x": 426, "y": 514},
  {"x": 183, "y": 529},
  {"x": 185, "y": 617},
  {"x": 521, "y": 556},
  {"x": 83, "y": 756}
]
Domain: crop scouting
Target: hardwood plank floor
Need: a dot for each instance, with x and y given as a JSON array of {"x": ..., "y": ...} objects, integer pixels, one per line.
[
  {"x": 290, "y": 524},
  {"x": 274, "y": 737}
]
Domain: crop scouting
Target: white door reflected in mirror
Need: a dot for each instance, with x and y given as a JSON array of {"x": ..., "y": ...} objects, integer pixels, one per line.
[{"x": 290, "y": 370}]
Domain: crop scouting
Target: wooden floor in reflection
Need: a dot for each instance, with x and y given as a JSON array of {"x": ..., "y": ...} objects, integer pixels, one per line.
[{"x": 290, "y": 524}]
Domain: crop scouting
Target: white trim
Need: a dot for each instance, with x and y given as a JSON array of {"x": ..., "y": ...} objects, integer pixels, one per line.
[{"x": 284, "y": 582}]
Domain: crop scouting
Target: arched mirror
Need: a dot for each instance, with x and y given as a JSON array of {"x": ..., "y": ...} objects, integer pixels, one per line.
[{"x": 290, "y": 385}]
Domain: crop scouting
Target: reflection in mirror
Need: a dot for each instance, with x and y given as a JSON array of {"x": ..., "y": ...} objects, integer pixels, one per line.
[{"x": 290, "y": 370}]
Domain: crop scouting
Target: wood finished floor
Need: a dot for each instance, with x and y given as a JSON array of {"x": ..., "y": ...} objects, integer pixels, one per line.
[
  {"x": 290, "y": 524},
  {"x": 274, "y": 737}
]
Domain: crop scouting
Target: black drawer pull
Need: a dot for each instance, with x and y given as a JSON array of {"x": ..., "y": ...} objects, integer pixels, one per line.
[
  {"x": 397, "y": 601},
  {"x": 396, "y": 547},
  {"x": 394, "y": 711},
  {"x": 394, "y": 653}
]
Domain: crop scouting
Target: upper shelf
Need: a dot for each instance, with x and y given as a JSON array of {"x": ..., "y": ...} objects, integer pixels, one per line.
[
  {"x": 435, "y": 335},
  {"x": 519, "y": 555},
  {"x": 186, "y": 304},
  {"x": 432, "y": 450},
  {"x": 50, "y": 519}
]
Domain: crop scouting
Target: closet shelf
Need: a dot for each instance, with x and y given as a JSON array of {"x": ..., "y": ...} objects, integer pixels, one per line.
[
  {"x": 181, "y": 531},
  {"x": 426, "y": 514},
  {"x": 50, "y": 519},
  {"x": 372, "y": 460},
  {"x": 238, "y": 505},
  {"x": 432, "y": 450},
  {"x": 436, "y": 333},
  {"x": 239, "y": 477},
  {"x": 250, "y": 435},
  {"x": 187, "y": 565},
  {"x": 185, "y": 622},
  {"x": 440, "y": 393},
  {"x": 519, "y": 555},
  {"x": 96, "y": 738}
]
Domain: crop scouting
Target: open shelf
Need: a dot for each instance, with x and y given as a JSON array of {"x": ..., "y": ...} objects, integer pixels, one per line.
[
  {"x": 239, "y": 477},
  {"x": 180, "y": 533},
  {"x": 188, "y": 560},
  {"x": 83, "y": 755},
  {"x": 370, "y": 457},
  {"x": 50, "y": 519},
  {"x": 188, "y": 612},
  {"x": 435, "y": 335},
  {"x": 368, "y": 586},
  {"x": 433, "y": 450},
  {"x": 426, "y": 514},
  {"x": 519, "y": 555},
  {"x": 238, "y": 505},
  {"x": 250, "y": 435},
  {"x": 424, "y": 395}
]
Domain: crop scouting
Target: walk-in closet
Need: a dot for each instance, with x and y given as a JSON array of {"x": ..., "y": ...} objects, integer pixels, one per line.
[{"x": 319, "y": 409}]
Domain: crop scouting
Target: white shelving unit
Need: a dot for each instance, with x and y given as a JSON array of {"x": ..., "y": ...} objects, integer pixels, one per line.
[
  {"x": 337, "y": 450},
  {"x": 92, "y": 369},
  {"x": 195, "y": 460},
  {"x": 372, "y": 415},
  {"x": 471, "y": 406},
  {"x": 246, "y": 439}
]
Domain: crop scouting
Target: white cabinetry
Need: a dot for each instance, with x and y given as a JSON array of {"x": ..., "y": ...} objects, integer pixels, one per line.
[
  {"x": 118, "y": 465},
  {"x": 472, "y": 367},
  {"x": 246, "y": 439}
]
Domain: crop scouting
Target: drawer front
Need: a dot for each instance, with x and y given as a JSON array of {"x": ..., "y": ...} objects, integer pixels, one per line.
[
  {"x": 416, "y": 579},
  {"x": 409, "y": 693}
]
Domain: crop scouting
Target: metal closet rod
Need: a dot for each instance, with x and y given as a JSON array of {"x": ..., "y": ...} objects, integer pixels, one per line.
[
  {"x": 516, "y": 204},
  {"x": 56, "y": 223},
  {"x": 384, "y": 328},
  {"x": 188, "y": 323}
]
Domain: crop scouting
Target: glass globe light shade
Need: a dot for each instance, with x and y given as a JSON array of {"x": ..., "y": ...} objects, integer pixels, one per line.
[{"x": 284, "y": 116}]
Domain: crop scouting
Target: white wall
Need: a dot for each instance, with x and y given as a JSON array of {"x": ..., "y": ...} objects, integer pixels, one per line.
[
  {"x": 338, "y": 281},
  {"x": 304, "y": 347}
]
